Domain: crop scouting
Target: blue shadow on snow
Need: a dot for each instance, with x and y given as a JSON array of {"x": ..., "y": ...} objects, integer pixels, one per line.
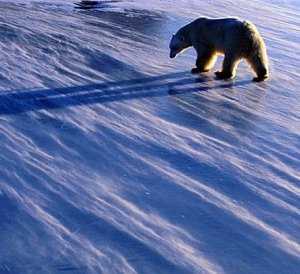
[{"x": 15, "y": 102}]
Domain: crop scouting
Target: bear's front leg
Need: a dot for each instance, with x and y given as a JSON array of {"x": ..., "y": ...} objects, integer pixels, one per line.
[
  {"x": 198, "y": 70},
  {"x": 229, "y": 67},
  {"x": 223, "y": 75},
  {"x": 260, "y": 78},
  {"x": 200, "y": 67},
  {"x": 204, "y": 62}
]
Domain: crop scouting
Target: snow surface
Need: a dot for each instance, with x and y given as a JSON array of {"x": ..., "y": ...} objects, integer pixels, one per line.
[{"x": 114, "y": 159}]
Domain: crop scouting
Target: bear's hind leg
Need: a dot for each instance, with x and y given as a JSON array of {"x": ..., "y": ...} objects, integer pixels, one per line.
[
  {"x": 205, "y": 61},
  {"x": 229, "y": 67},
  {"x": 259, "y": 65}
]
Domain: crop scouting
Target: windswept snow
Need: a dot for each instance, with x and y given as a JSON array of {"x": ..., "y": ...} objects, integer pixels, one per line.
[{"x": 115, "y": 159}]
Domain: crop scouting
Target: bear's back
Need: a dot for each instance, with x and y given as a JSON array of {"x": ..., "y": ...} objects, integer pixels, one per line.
[{"x": 211, "y": 32}]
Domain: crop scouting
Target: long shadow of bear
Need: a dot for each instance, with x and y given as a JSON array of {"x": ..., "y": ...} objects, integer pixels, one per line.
[{"x": 15, "y": 102}]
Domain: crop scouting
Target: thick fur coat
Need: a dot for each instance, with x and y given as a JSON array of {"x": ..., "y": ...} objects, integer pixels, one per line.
[{"x": 231, "y": 37}]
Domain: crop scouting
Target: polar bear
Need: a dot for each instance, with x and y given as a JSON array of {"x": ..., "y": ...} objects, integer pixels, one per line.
[{"x": 231, "y": 37}]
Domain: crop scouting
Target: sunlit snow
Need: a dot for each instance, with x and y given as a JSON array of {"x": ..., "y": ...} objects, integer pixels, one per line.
[{"x": 115, "y": 159}]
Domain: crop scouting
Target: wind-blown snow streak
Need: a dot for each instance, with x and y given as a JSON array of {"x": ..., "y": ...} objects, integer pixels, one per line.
[{"x": 115, "y": 159}]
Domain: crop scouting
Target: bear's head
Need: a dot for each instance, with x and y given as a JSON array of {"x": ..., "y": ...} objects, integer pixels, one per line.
[{"x": 178, "y": 43}]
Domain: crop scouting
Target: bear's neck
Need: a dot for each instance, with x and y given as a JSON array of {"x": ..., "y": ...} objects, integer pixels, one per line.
[{"x": 185, "y": 31}]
